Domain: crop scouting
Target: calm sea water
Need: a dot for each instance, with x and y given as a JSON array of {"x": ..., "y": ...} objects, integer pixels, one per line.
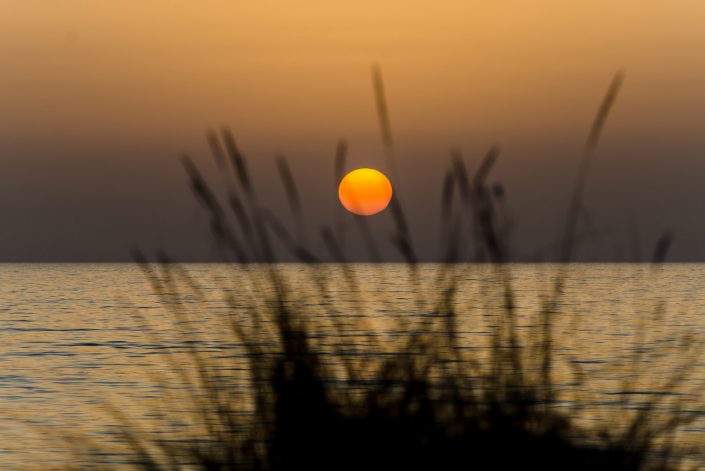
[{"x": 79, "y": 340}]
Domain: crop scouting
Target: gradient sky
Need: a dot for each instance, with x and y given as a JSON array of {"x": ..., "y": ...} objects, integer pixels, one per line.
[{"x": 99, "y": 98}]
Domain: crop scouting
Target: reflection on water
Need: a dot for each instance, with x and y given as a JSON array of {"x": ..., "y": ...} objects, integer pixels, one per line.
[{"x": 79, "y": 339}]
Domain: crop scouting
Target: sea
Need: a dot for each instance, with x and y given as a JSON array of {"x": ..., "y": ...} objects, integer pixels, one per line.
[{"x": 87, "y": 350}]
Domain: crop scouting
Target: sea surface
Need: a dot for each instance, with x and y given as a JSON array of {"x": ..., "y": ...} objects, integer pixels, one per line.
[{"x": 87, "y": 348}]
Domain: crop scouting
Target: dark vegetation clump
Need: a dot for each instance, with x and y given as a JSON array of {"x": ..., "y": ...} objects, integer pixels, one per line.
[{"x": 431, "y": 401}]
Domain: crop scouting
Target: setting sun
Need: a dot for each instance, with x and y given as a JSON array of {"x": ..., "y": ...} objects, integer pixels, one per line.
[{"x": 365, "y": 191}]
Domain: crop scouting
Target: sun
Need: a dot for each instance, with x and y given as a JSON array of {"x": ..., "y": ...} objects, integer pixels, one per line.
[{"x": 365, "y": 191}]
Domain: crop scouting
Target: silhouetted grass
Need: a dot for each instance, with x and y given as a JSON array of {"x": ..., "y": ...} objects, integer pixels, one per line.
[{"x": 429, "y": 402}]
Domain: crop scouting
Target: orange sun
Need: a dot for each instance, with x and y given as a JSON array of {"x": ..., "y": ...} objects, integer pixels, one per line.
[{"x": 365, "y": 191}]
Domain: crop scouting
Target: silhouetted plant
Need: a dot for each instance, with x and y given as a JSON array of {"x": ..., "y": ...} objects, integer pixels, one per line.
[{"x": 432, "y": 402}]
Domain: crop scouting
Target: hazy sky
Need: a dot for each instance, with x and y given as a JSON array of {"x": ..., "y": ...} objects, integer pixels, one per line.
[{"x": 98, "y": 99}]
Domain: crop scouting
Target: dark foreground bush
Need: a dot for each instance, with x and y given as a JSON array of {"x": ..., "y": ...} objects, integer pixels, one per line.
[{"x": 431, "y": 401}]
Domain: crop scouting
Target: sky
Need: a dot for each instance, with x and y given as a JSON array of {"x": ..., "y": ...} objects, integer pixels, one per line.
[{"x": 99, "y": 99}]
